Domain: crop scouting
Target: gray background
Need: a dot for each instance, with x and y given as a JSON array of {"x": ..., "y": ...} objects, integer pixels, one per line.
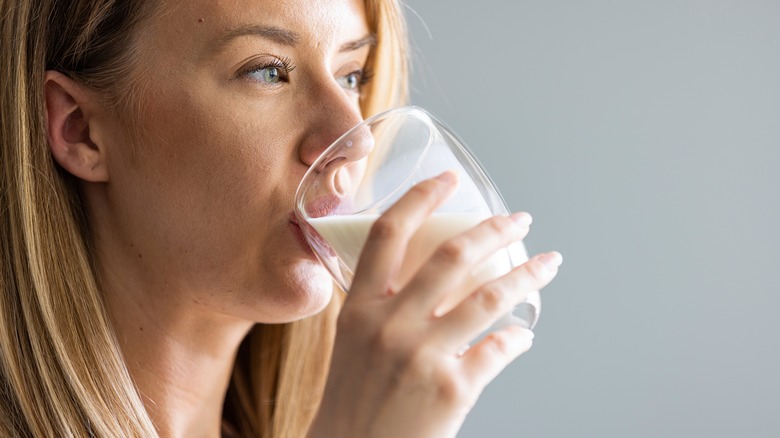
[{"x": 643, "y": 136}]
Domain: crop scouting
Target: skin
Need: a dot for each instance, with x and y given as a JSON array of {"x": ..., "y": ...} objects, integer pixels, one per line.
[{"x": 191, "y": 215}]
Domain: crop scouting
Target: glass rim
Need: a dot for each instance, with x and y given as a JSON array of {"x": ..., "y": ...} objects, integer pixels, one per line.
[{"x": 438, "y": 126}]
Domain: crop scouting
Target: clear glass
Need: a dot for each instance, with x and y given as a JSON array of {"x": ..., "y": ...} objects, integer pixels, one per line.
[{"x": 374, "y": 164}]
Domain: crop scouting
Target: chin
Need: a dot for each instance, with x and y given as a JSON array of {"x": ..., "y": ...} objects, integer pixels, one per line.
[{"x": 308, "y": 288}]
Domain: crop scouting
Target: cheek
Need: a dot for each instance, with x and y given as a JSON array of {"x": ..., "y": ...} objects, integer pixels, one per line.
[
  {"x": 205, "y": 145},
  {"x": 210, "y": 152},
  {"x": 206, "y": 184}
]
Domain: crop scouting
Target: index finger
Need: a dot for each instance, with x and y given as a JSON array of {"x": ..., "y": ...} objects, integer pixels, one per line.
[{"x": 386, "y": 244}]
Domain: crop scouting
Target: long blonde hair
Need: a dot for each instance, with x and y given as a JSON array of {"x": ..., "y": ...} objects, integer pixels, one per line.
[{"x": 61, "y": 370}]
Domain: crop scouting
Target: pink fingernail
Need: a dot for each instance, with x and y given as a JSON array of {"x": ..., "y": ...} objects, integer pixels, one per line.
[
  {"x": 447, "y": 177},
  {"x": 551, "y": 260},
  {"x": 528, "y": 333},
  {"x": 522, "y": 218}
]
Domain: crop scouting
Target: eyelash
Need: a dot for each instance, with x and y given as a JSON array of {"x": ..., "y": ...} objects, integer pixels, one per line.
[
  {"x": 285, "y": 65},
  {"x": 366, "y": 75}
]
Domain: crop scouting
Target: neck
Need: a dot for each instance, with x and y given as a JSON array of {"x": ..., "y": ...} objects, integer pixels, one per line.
[{"x": 179, "y": 354}]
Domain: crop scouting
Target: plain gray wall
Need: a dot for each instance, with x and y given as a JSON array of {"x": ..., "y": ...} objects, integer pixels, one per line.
[{"x": 644, "y": 137}]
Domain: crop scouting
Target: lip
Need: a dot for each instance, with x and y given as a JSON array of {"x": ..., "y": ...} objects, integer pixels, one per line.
[
  {"x": 328, "y": 205},
  {"x": 297, "y": 231},
  {"x": 310, "y": 238}
]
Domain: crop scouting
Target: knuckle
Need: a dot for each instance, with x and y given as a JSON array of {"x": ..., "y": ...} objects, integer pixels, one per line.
[
  {"x": 385, "y": 339},
  {"x": 395, "y": 346},
  {"x": 419, "y": 361},
  {"x": 500, "y": 344},
  {"x": 391, "y": 339},
  {"x": 452, "y": 389},
  {"x": 455, "y": 251},
  {"x": 537, "y": 271},
  {"x": 500, "y": 224},
  {"x": 491, "y": 298},
  {"x": 385, "y": 229}
]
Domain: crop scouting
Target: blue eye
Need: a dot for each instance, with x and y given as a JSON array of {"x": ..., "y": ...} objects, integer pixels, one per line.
[
  {"x": 351, "y": 81},
  {"x": 269, "y": 75},
  {"x": 272, "y": 72}
]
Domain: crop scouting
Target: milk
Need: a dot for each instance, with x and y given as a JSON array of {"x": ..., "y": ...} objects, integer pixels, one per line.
[{"x": 347, "y": 235}]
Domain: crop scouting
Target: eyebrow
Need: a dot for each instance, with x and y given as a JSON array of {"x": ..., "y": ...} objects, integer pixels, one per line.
[
  {"x": 368, "y": 40},
  {"x": 276, "y": 34},
  {"x": 284, "y": 37}
]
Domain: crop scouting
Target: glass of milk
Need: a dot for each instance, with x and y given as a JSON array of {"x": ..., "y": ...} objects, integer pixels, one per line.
[{"x": 369, "y": 168}]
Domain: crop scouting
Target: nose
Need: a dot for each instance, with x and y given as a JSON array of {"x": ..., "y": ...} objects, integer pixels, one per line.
[{"x": 332, "y": 115}]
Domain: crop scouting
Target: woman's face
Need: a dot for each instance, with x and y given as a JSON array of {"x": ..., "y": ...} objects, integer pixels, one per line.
[{"x": 235, "y": 101}]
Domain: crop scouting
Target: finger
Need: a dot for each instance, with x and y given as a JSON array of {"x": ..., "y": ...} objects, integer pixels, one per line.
[
  {"x": 386, "y": 244},
  {"x": 493, "y": 300},
  {"x": 451, "y": 267},
  {"x": 484, "y": 361}
]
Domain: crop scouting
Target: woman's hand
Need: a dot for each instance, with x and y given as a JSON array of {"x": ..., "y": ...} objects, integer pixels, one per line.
[{"x": 397, "y": 370}]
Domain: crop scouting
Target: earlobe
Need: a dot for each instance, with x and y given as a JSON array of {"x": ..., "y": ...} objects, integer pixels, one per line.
[{"x": 68, "y": 118}]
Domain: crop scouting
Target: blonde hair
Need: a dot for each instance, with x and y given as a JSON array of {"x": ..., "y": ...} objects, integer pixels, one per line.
[{"x": 61, "y": 370}]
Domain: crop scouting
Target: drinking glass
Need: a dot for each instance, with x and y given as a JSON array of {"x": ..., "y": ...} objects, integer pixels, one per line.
[{"x": 369, "y": 168}]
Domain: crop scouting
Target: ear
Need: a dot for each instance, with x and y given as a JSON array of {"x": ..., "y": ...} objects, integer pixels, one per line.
[{"x": 69, "y": 112}]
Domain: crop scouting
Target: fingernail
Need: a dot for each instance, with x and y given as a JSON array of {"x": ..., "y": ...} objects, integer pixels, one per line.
[
  {"x": 551, "y": 260},
  {"x": 528, "y": 333},
  {"x": 522, "y": 218},
  {"x": 448, "y": 177},
  {"x": 522, "y": 334}
]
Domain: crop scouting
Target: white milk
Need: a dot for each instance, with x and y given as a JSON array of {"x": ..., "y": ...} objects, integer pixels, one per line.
[{"x": 348, "y": 234}]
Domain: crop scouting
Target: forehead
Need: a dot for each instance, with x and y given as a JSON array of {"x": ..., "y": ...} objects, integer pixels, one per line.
[{"x": 317, "y": 22}]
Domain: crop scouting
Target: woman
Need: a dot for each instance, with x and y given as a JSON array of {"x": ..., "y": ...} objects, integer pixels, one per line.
[{"x": 153, "y": 280}]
